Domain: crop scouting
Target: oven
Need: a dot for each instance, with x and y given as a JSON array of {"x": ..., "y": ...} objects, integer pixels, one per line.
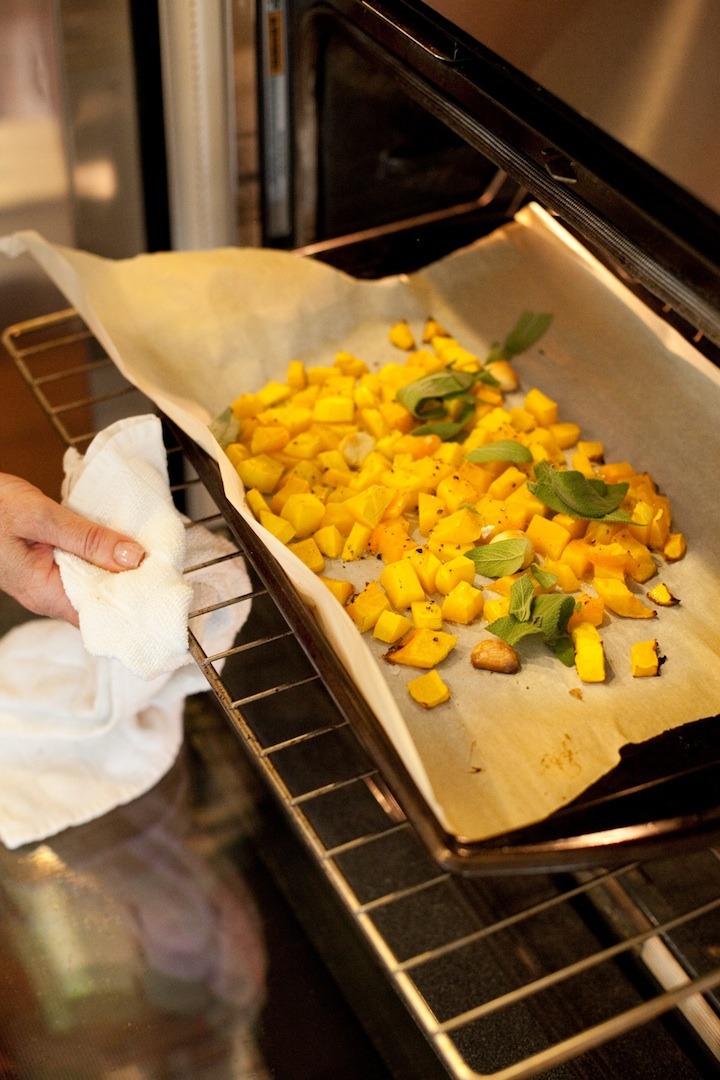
[{"x": 390, "y": 135}]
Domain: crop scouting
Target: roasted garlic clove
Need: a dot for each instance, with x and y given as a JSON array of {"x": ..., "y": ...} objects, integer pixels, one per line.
[{"x": 495, "y": 655}]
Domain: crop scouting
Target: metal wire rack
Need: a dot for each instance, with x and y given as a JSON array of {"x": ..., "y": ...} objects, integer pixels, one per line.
[{"x": 587, "y": 974}]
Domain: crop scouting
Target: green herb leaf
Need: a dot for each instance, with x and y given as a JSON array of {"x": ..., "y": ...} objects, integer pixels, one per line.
[
  {"x": 225, "y": 427},
  {"x": 511, "y": 629},
  {"x": 569, "y": 492},
  {"x": 552, "y": 612},
  {"x": 528, "y": 329},
  {"x": 547, "y": 614},
  {"x": 500, "y": 450},
  {"x": 544, "y": 578},
  {"x": 446, "y": 429},
  {"x": 497, "y": 560},
  {"x": 424, "y": 397},
  {"x": 522, "y": 593},
  {"x": 564, "y": 649}
]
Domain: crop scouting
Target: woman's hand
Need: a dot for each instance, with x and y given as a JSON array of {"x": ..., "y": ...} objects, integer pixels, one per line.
[{"x": 31, "y": 526}]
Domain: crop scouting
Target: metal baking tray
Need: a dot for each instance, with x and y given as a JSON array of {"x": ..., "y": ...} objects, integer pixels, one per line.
[
  {"x": 664, "y": 796},
  {"x": 664, "y": 793}
]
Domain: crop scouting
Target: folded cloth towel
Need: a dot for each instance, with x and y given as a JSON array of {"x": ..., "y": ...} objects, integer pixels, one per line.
[
  {"x": 139, "y": 616},
  {"x": 81, "y": 732}
]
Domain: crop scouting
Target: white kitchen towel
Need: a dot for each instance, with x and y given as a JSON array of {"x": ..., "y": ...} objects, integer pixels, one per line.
[
  {"x": 140, "y": 616},
  {"x": 80, "y": 732}
]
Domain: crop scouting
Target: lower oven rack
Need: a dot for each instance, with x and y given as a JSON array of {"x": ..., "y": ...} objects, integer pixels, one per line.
[{"x": 584, "y": 974}]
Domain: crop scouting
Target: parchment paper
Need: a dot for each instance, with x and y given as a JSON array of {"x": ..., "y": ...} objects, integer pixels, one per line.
[{"x": 194, "y": 330}]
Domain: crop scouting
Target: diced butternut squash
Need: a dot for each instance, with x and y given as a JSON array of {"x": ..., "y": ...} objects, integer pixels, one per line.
[
  {"x": 426, "y": 614},
  {"x": 422, "y": 648},
  {"x": 369, "y": 506},
  {"x": 428, "y": 690},
  {"x": 589, "y": 653},
  {"x": 276, "y": 525},
  {"x": 496, "y": 608},
  {"x": 590, "y": 609},
  {"x": 430, "y": 509},
  {"x": 675, "y": 547},
  {"x": 451, "y": 573},
  {"x": 460, "y": 527},
  {"x": 548, "y": 537},
  {"x": 305, "y": 512},
  {"x": 366, "y": 607},
  {"x": 426, "y": 565},
  {"x": 463, "y": 604},
  {"x": 402, "y": 584},
  {"x": 543, "y": 408},
  {"x": 618, "y": 598},
  {"x": 309, "y": 553},
  {"x": 341, "y": 588},
  {"x": 356, "y": 543},
  {"x": 644, "y": 659},
  {"x": 330, "y": 541},
  {"x": 261, "y": 472},
  {"x": 391, "y": 626}
]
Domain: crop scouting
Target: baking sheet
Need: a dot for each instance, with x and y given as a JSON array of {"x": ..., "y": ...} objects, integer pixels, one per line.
[{"x": 193, "y": 330}]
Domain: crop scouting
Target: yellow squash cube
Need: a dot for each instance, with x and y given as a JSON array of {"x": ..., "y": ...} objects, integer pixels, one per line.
[
  {"x": 366, "y": 607},
  {"x": 543, "y": 408},
  {"x": 304, "y": 511},
  {"x": 309, "y": 553},
  {"x": 422, "y": 648},
  {"x": 391, "y": 626},
  {"x": 356, "y": 543},
  {"x": 261, "y": 472},
  {"x": 644, "y": 659},
  {"x": 341, "y": 590},
  {"x": 589, "y": 653},
  {"x": 402, "y": 584},
  {"x": 330, "y": 541},
  {"x": 463, "y": 604},
  {"x": 451, "y": 573},
  {"x": 428, "y": 690},
  {"x": 547, "y": 537},
  {"x": 426, "y": 613}
]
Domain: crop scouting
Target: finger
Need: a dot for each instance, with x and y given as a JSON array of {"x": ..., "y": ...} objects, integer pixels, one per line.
[{"x": 95, "y": 543}]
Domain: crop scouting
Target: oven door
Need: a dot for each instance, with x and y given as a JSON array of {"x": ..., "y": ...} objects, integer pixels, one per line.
[{"x": 399, "y": 122}]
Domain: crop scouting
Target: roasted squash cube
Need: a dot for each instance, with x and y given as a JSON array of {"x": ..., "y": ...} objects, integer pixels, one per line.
[
  {"x": 309, "y": 553},
  {"x": 422, "y": 648},
  {"x": 426, "y": 613},
  {"x": 428, "y": 690},
  {"x": 391, "y": 626},
  {"x": 304, "y": 511},
  {"x": 366, "y": 607},
  {"x": 402, "y": 584},
  {"x": 463, "y": 604},
  {"x": 644, "y": 659},
  {"x": 589, "y": 653}
]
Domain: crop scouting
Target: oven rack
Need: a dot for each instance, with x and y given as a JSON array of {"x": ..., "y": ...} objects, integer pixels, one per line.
[{"x": 569, "y": 975}]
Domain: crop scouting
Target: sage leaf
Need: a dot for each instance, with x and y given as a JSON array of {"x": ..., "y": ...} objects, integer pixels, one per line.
[
  {"x": 563, "y": 649},
  {"x": 445, "y": 429},
  {"x": 498, "y": 560},
  {"x": 424, "y": 397},
  {"x": 522, "y": 593},
  {"x": 225, "y": 427},
  {"x": 528, "y": 329},
  {"x": 569, "y": 492},
  {"x": 500, "y": 450},
  {"x": 511, "y": 629},
  {"x": 552, "y": 611},
  {"x": 545, "y": 578}
]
